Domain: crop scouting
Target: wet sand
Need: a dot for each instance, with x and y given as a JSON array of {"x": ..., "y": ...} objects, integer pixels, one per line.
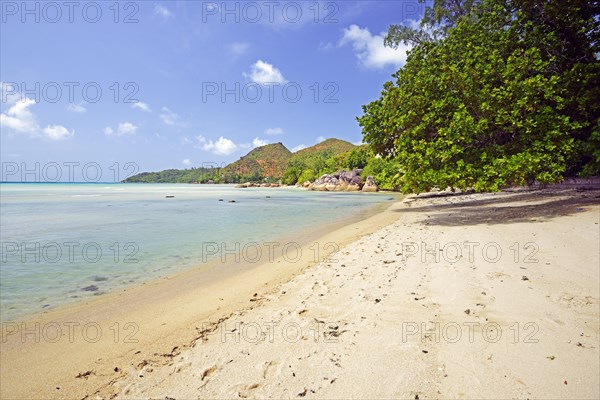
[{"x": 445, "y": 296}]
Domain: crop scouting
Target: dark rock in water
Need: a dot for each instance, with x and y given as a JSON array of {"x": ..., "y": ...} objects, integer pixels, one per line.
[
  {"x": 220, "y": 199},
  {"x": 91, "y": 288},
  {"x": 169, "y": 197},
  {"x": 268, "y": 197},
  {"x": 232, "y": 201},
  {"x": 97, "y": 278}
]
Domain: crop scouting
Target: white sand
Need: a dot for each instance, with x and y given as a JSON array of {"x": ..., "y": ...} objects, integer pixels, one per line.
[
  {"x": 368, "y": 324},
  {"x": 376, "y": 320}
]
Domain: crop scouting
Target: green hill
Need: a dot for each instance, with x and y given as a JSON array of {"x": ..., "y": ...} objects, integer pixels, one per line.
[
  {"x": 332, "y": 146},
  {"x": 192, "y": 175},
  {"x": 265, "y": 162},
  {"x": 271, "y": 163},
  {"x": 310, "y": 163}
]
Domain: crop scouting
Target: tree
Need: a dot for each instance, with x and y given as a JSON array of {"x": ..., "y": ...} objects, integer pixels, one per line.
[{"x": 490, "y": 103}]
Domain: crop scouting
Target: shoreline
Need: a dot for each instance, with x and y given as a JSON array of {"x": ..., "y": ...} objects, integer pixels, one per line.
[
  {"x": 118, "y": 282},
  {"x": 374, "y": 309},
  {"x": 121, "y": 326},
  {"x": 519, "y": 323}
]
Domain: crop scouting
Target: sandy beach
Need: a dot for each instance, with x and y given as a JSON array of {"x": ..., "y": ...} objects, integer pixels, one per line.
[{"x": 440, "y": 296}]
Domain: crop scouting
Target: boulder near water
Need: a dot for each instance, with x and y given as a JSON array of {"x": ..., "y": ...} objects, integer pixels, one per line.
[
  {"x": 340, "y": 181},
  {"x": 370, "y": 185}
]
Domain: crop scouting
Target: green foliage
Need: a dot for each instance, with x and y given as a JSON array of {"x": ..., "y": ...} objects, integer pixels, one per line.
[
  {"x": 358, "y": 158},
  {"x": 325, "y": 157},
  {"x": 265, "y": 163},
  {"x": 385, "y": 172},
  {"x": 492, "y": 103}
]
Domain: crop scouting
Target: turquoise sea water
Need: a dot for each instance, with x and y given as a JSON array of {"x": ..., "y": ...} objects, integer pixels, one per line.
[{"x": 64, "y": 242}]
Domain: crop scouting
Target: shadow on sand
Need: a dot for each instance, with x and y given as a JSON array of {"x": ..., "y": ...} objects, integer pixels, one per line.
[{"x": 506, "y": 207}]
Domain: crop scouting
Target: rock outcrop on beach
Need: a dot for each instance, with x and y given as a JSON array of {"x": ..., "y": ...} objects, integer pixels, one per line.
[
  {"x": 370, "y": 185},
  {"x": 346, "y": 181}
]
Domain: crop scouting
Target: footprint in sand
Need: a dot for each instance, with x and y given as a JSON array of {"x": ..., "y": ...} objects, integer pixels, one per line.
[
  {"x": 246, "y": 391},
  {"x": 207, "y": 374},
  {"x": 270, "y": 369},
  {"x": 570, "y": 300}
]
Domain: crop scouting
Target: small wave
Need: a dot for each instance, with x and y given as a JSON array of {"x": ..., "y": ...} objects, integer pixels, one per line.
[{"x": 86, "y": 195}]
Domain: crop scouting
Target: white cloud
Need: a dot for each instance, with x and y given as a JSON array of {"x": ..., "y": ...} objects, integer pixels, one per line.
[
  {"x": 264, "y": 73},
  {"x": 257, "y": 142},
  {"x": 274, "y": 131},
  {"x": 77, "y": 108},
  {"x": 168, "y": 116},
  {"x": 57, "y": 132},
  {"x": 370, "y": 50},
  {"x": 19, "y": 118},
  {"x": 162, "y": 11},
  {"x": 298, "y": 148},
  {"x": 187, "y": 162},
  {"x": 126, "y": 128},
  {"x": 239, "y": 48},
  {"x": 320, "y": 139},
  {"x": 123, "y": 129},
  {"x": 222, "y": 146},
  {"x": 141, "y": 106}
]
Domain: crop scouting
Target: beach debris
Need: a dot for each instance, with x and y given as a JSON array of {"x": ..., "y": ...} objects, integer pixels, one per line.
[
  {"x": 389, "y": 261},
  {"x": 85, "y": 374},
  {"x": 302, "y": 394},
  {"x": 551, "y": 358},
  {"x": 208, "y": 372},
  {"x": 169, "y": 197},
  {"x": 377, "y": 300},
  {"x": 524, "y": 278},
  {"x": 425, "y": 351},
  {"x": 468, "y": 311},
  {"x": 565, "y": 382}
]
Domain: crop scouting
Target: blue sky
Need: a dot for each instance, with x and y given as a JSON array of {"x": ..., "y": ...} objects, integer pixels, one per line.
[{"x": 181, "y": 84}]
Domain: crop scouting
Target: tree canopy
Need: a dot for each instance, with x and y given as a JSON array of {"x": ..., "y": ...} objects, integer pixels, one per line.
[{"x": 493, "y": 93}]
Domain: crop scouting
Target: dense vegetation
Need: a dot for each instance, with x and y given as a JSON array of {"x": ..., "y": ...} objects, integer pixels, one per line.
[
  {"x": 310, "y": 163},
  {"x": 192, "y": 175},
  {"x": 265, "y": 163},
  {"x": 493, "y": 93},
  {"x": 275, "y": 163}
]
